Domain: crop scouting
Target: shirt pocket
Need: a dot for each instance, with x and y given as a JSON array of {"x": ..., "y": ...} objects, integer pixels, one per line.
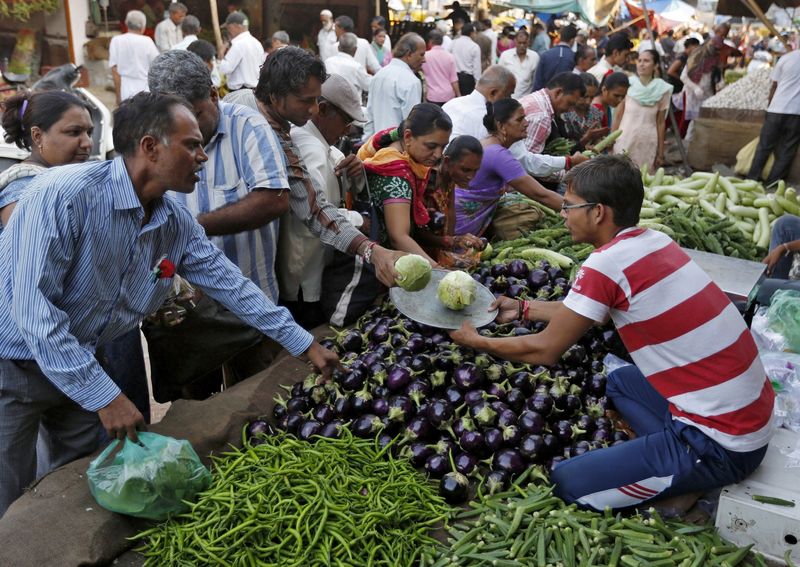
[{"x": 227, "y": 192}]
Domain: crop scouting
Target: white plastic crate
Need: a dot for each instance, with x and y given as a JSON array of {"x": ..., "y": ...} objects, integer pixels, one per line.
[{"x": 770, "y": 528}]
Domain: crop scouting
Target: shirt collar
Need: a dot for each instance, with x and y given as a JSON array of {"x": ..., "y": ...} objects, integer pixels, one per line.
[
  {"x": 400, "y": 62},
  {"x": 341, "y": 54},
  {"x": 122, "y": 191},
  {"x": 222, "y": 128},
  {"x": 240, "y": 37},
  {"x": 281, "y": 126},
  {"x": 314, "y": 131}
]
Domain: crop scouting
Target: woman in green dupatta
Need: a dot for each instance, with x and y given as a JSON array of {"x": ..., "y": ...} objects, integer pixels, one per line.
[{"x": 642, "y": 115}]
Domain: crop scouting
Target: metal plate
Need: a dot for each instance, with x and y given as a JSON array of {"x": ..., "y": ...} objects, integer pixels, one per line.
[{"x": 424, "y": 306}]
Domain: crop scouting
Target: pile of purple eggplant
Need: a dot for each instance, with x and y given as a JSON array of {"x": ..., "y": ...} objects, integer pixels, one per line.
[{"x": 456, "y": 413}]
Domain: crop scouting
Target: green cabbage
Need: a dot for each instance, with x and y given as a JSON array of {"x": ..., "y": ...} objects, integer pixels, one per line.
[
  {"x": 457, "y": 290},
  {"x": 414, "y": 270}
]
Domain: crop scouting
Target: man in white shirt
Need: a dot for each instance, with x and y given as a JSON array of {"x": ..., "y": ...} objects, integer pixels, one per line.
[
  {"x": 168, "y": 32},
  {"x": 364, "y": 53},
  {"x": 396, "y": 88},
  {"x": 129, "y": 57},
  {"x": 326, "y": 38},
  {"x": 617, "y": 49},
  {"x": 781, "y": 130},
  {"x": 301, "y": 259},
  {"x": 242, "y": 60},
  {"x": 468, "y": 59},
  {"x": 190, "y": 27},
  {"x": 467, "y": 112},
  {"x": 522, "y": 62},
  {"x": 492, "y": 35},
  {"x": 345, "y": 65}
]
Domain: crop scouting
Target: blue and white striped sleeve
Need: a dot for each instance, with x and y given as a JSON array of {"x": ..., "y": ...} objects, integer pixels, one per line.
[
  {"x": 263, "y": 163},
  {"x": 43, "y": 251},
  {"x": 208, "y": 268}
]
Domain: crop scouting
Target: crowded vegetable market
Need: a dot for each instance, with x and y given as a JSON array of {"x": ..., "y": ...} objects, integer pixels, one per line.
[{"x": 499, "y": 283}]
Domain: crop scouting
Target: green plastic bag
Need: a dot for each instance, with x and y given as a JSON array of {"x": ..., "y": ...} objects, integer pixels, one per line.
[
  {"x": 151, "y": 479},
  {"x": 784, "y": 316}
]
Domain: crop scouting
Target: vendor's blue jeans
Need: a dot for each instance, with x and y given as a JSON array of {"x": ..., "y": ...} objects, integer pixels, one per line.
[
  {"x": 667, "y": 458},
  {"x": 786, "y": 229}
]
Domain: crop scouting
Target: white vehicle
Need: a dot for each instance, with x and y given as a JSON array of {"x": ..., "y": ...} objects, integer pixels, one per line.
[{"x": 63, "y": 78}]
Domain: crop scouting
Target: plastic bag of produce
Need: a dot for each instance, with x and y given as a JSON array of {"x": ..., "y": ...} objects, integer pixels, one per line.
[
  {"x": 150, "y": 479},
  {"x": 744, "y": 159},
  {"x": 784, "y": 316}
]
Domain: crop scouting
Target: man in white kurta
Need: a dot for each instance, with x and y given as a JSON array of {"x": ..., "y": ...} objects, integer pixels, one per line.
[
  {"x": 396, "y": 88},
  {"x": 301, "y": 257},
  {"x": 168, "y": 32},
  {"x": 243, "y": 59},
  {"x": 129, "y": 57},
  {"x": 345, "y": 65},
  {"x": 326, "y": 38}
]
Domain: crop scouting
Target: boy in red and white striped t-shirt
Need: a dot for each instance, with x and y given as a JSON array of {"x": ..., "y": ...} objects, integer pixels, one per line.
[{"x": 698, "y": 398}]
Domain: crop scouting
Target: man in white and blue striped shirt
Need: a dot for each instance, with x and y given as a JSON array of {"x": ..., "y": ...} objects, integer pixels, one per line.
[
  {"x": 87, "y": 255},
  {"x": 243, "y": 189}
]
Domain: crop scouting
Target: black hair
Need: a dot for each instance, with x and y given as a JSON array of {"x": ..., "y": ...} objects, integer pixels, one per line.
[
  {"x": 611, "y": 180},
  {"x": 569, "y": 82},
  {"x": 691, "y": 41},
  {"x": 286, "y": 71},
  {"x": 589, "y": 80},
  {"x": 205, "y": 50},
  {"x": 498, "y": 112},
  {"x": 614, "y": 80},
  {"x": 583, "y": 52},
  {"x": 568, "y": 33},
  {"x": 43, "y": 109},
  {"x": 618, "y": 42},
  {"x": 377, "y": 31},
  {"x": 467, "y": 29},
  {"x": 380, "y": 20},
  {"x": 423, "y": 119},
  {"x": 462, "y": 145},
  {"x": 538, "y": 26},
  {"x": 656, "y": 60},
  {"x": 144, "y": 114},
  {"x": 345, "y": 22},
  {"x": 522, "y": 30}
]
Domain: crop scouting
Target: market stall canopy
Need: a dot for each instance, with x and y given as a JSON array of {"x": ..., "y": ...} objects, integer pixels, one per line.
[
  {"x": 596, "y": 12},
  {"x": 739, "y": 9},
  {"x": 664, "y": 14}
]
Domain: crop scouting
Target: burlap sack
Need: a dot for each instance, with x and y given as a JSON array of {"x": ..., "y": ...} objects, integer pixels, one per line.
[
  {"x": 57, "y": 522},
  {"x": 514, "y": 217}
]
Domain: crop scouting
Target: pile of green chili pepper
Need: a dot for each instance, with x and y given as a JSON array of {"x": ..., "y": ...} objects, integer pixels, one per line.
[
  {"x": 340, "y": 502},
  {"x": 527, "y": 526}
]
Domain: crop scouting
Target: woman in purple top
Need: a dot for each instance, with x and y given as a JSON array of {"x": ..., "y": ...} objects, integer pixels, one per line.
[{"x": 499, "y": 172}]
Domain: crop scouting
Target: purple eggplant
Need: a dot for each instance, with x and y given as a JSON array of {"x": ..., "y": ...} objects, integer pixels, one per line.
[
  {"x": 440, "y": 412},
  {"x": 416, "y": 344},
  {"x": 563, "y": 430},
  {"x": 437, "y": 465},
  {"x": 472, "y": 442},
  {"x": 511, "y": 436},
  {"x": 483, "y": 414},
  {"x": 518, "y": 269},
  {"x": 294, "y": 420},
  {"x": 418, "y": 391},
  {"x": 445, "y": 446},
  {"x": 361, "y": 402},
  {"x": 551, "y": 444},
  {"x": 259, "y": 428},
  {"x": 332, "y": 429},
  {"x": 498, "y": 270},
  {"x": 497, "y": 481},
  {"x": 541, "y": 404},
  {"x": 465, "y": 463},
  {"x": 499, "y": 285},
  {"x": 418, "y": 429},
  {"x": 343, "y": 407},
  {"x": 398, "y": 378},
  {"x": 420, "y": 363},
  {"x": 468, "y": 376},
  {"x": 531, "y": 422},
  {"x": 463, "y": 424},
  {"x": 524, "y": 381},
  {"x": 279, "y": 410},
  {"x": 353, "y": 380},
  {"x": 297, "y": 404},
  {"x": 401, "y": 408},
  {"x": 506, "y": 418},
  {"x": 454, "y": 395},
  {"x": 537, "y": 278},
  {"x": 475, "y": 396},
  {"x": 532, "y": 448},
  {"x": 380, "y": 406},
  {"x": 418, "y": 453},
  {"x": 308, "y": 429},
  {"x": 324, "y": 413},
  {"x": 515, "y": 399},
  {"x": 579, "y": 448},
  {"x": 495, "y": 372},
  {"x": 509, "y": 460},
  {"x": 454, "y": 488},
  {"x": 367, "y": 426}
]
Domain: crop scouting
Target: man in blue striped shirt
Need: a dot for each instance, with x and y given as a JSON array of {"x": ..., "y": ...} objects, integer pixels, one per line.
[{"x": 88, "y": 254}]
